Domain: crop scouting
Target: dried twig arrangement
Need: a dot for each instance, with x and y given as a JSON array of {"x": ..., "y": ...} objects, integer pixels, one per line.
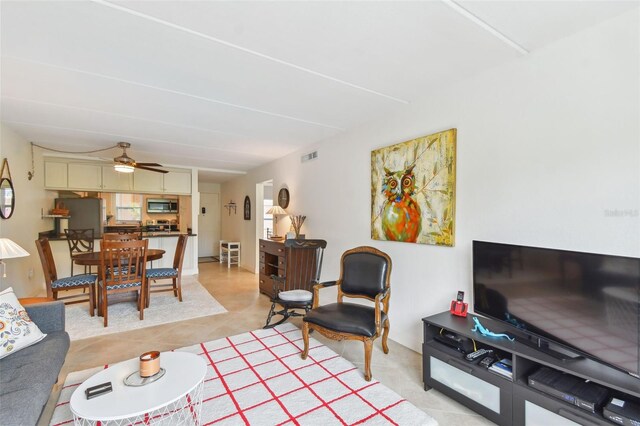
[{"x": 296, "y": 222}]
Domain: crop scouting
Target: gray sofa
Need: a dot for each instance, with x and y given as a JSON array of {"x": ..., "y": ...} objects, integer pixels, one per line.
[{"x": 27, "y": 376}]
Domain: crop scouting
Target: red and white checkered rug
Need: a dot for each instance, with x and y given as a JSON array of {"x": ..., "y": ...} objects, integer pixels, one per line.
[{"x": 258, "y": 378}]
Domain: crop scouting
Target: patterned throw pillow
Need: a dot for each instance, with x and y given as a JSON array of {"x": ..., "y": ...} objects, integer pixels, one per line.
[{"x": 17, "y": 331}]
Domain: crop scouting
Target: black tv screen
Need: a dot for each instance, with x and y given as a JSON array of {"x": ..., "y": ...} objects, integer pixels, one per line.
[{"x": 585, "y": 301}]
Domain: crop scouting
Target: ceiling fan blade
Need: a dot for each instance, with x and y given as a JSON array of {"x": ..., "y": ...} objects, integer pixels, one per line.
[
  {"x": 138, "y": 166},
  {"x": 149, "y": 164}
]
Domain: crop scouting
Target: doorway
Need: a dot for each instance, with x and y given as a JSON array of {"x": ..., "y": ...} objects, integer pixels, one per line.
[
  {"x": 209, "y": 225},
  {"x": 264, "y": 197}
]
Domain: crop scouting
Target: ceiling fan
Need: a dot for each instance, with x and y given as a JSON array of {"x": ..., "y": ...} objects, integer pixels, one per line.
[{"x": 126, "y": 164}]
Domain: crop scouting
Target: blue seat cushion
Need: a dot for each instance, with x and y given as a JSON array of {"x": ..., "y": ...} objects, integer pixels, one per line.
[
  {"x": 119, "y": 286},
  {"x": 162, "y": 273},
  {"x": 74, "y": 281}
]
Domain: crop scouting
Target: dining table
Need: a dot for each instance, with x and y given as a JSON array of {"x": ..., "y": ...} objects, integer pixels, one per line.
[{"x": 92, "y": 258}]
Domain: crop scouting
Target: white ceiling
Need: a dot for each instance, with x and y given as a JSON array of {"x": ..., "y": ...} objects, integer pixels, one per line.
[{"x": 228, "y": 86}]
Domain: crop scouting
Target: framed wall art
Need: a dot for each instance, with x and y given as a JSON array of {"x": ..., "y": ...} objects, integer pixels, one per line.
[
  {"x": 247, "y": 208},
  {"x": 413, "y": 186}
]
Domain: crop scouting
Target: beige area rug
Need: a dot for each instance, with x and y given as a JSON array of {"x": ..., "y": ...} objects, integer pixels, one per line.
[
  {"x": 258, "y": 379},
  {"x": 165, "y": 308}
]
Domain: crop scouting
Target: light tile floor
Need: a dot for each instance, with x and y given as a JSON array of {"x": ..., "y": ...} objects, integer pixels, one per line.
[{"x": 237, "y": 290}]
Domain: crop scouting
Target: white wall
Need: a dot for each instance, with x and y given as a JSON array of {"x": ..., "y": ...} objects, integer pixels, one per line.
[
  {"x": 25, "y": 223},
  {"x": 546, "y": 146}
]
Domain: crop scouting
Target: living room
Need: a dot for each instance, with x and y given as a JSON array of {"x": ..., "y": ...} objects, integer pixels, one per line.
[{"x": 547, "y": 156}]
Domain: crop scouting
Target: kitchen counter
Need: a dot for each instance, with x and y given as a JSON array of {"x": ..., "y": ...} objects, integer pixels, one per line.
[{"x": 159, "y": 234}]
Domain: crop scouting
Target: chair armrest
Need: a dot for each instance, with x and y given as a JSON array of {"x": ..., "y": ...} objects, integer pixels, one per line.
[
  {"x": 381, "y": 298},
  {"x": 49, "y": 317},
  {"x": 316, "y": 291}
]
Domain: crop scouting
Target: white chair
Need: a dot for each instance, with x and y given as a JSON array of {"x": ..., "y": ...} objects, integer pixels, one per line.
[{"x": 230, "y": 252}]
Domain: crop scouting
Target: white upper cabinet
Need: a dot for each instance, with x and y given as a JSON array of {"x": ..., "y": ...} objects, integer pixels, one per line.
[
  {"x": 85, "y": 176},
  {"x": 116, "y": 181},
  {"x": 177, "y": 182},
  {"x": 88, "y": 176},
  {"x": 55, "y": 175},
  {"x": 146, "y": 181},
  {"x": 174, "y": 182}
]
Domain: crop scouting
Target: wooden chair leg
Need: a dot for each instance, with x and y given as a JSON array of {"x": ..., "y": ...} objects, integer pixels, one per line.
[
  {"x": 142, "y": 302},
  {"x": 305, "y": 338},
  {"x": 91, "y": 300},
  {"x": 147, "y": 292},
  {"x": 385, "y": 334},
  {"x": 368, "y": 346},
  {"x": 178, "y": 283},
  {"x": 104, "y": 307}
]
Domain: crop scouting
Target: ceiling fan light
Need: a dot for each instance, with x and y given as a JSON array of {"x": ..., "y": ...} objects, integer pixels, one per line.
[{"x": 123, "y": 168}]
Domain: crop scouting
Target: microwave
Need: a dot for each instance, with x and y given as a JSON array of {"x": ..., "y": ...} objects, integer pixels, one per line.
[{"x": 162, "y": 205}]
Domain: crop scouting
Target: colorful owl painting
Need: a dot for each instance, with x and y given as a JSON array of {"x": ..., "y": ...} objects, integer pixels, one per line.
[
  {"x": 413, "y": 190},
  {"x": 401, "y": 220}
]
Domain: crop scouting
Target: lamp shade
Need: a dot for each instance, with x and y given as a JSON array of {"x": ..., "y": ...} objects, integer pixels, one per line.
[
  {"x": 276, "y": 210},
  {"x": 9, "y": 249}
]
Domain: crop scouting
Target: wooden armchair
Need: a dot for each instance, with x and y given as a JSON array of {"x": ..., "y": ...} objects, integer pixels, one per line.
[{"x": 364, "y": 273}]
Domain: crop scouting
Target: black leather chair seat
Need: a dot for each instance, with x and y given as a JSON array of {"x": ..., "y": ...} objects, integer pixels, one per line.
[{"x": 346, "y": 318}]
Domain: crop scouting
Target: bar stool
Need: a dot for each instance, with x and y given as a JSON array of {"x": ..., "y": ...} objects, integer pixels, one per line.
[{"x": 230, "y": 252}]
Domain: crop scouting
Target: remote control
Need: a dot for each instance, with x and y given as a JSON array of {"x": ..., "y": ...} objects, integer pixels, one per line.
[
  {"x": 477, "y": 354},
  {"x": 487, "y": 361}
]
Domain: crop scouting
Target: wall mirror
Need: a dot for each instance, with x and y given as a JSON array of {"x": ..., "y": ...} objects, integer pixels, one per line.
[
  {"x": 7, "y": 194},
  {"x": 7, "y": 198}
]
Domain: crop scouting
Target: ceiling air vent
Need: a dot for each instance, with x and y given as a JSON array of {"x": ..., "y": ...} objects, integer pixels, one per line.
[{"x": 308, "y": 157}]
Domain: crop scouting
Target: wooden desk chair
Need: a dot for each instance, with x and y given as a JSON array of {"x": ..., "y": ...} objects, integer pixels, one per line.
[
  {"x": 55, "y": 284},
  {"x": 122, "y": 269},
  {"x": 174, "y": 273},
  {"x": 364, "y": 273},
  {"x": 79, "y": 241},
  {"x": 302, "y": 270}
]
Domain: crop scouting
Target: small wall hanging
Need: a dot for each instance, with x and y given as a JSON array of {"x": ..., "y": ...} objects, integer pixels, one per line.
[
  {"x": 413, "y": 187},
  {"x": 230, "y": 206},
  {"x": 247, "y": 208}
]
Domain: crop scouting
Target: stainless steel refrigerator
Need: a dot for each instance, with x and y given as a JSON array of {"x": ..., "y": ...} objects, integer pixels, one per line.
[{"x": 85, "y": 213}]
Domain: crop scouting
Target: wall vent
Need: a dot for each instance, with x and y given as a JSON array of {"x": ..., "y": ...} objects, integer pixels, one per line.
[{"x": 308, "y": 157}]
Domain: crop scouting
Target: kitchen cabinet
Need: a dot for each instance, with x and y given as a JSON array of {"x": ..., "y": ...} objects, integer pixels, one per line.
[
  {"x": 146, "y": 181},
  {"x": 55, "y": 175},
  {"x": 85, "y": 176},
  {"x": 177, "y": 182},
  {"x": 174, "y": 182},
  {"x": 116, "y": 181},
  {"x": 93, "y": 176}
]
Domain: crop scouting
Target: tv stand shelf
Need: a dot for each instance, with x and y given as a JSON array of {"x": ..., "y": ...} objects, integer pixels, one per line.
[{"x": 445, "y": 369}]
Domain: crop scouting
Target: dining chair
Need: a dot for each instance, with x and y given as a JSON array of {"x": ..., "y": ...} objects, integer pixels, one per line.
[
  {"x": 122, "y": 236},
  {"x": 55, "y": 284},
  {"x": 174, "y": 273},
  {"x": 122, "y": 269},
  {"x": 79, "y": 241},
  {"x": 364, "y": 273},
  {"x": 292, "y": 291}
]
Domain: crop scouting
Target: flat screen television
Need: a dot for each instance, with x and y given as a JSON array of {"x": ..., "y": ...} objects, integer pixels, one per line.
[{"x": 586, "y": 302}]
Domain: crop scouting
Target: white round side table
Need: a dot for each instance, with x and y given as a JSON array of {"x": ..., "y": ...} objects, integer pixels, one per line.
[{"x": 174, "y": 399}]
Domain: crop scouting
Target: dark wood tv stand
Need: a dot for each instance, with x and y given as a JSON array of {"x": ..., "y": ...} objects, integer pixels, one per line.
[{"x": 504, "y": 401}]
